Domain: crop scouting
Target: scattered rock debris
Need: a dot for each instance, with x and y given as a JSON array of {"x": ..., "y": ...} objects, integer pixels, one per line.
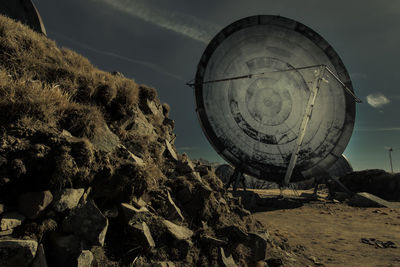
[
  {"x": 378, "y": 243},
  {"x": 89, "y": 175}
]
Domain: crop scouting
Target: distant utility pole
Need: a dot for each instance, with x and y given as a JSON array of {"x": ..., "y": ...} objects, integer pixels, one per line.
[{"x": 390, "y": 156}]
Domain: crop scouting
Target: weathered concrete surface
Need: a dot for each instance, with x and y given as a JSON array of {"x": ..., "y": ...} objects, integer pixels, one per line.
[{"x": 364, "y": 199}]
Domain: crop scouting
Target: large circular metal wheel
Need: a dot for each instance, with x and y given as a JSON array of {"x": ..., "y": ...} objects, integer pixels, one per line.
[{"x": 254, "y": 122}]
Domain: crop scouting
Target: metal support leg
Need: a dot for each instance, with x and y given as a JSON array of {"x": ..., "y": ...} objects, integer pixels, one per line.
[
  {"x": 228, "y": 184},
  {"x": 316, "y": 184},
  {"x": 237, "y": 175},
  {"x": 304, "y": 124},
  {"x": 243, "y": 180},
  {"x": 337, "y": 181}
]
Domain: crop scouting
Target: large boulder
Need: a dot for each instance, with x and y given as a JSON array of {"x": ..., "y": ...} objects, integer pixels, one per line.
[
  {"x": 32, "y": 204},
  {"x": 177, "y": 231},
  {"x": 128, "y": 211},
  {"x": 226, "y": 261},
  {"x": 16, "y": 252},
  {"x": 174, "y": 212},
  {"x": 212, "y": 241},
  {"x": 179, "y": 239},
  {"x": 141, "y": 234},
  {"x": 154, "y": 108},
  {"x": 17, "y": 168},
  {"x": 257, "y": 242},
  {"x": 40, "y": 259},
  {"x": 202, "y": 169},
  {"x": 128, "y": 155},
  {"x": 11, "y": 220},
  {"x": 85, "y": 259},
  {"x": 63, "y": 250},
  {"x": 104, "y": 139},
  {"x": 88, "y": 222},
  {"x": 234, "y": 233},
  {"x": 194, "y": 199},
  {"x": 184, "y": 165},
  {"x": 171, "y": 151},
  {"x": 68, "y": 199}
]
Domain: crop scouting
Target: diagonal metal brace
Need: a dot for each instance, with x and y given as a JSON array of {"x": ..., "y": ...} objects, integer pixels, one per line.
[{"x": 304, "y": 124}]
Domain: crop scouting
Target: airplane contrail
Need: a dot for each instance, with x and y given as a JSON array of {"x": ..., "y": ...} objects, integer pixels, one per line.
[
  {"x": 112, "y": 54},
  {"x": 186, "y": 25},
  {"x": 388, "y": 129}
]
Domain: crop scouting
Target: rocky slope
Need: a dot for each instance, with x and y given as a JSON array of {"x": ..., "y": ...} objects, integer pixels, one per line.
[{"x": 89, "y": 175}]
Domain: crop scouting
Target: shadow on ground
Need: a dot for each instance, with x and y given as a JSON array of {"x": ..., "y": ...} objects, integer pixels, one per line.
[{"x": 253, "y": 202}]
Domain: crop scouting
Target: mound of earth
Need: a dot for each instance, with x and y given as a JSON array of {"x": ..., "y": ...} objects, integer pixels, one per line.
[
  {"x": 377, "y": 182},
  {"x": 89, "y": 175}
]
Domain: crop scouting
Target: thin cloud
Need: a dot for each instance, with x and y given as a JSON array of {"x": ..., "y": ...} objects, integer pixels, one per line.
[
  {"x": 377, "y": 100},
  {"x": 112, "y": 54},
  {"x": 186, "y": 25},
  {"x": 186, "y": 148},
  {"x": 389, "y": 129}
]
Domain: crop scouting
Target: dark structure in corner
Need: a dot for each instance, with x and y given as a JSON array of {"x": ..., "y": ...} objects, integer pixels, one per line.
[{"x": 23, "y": 11}]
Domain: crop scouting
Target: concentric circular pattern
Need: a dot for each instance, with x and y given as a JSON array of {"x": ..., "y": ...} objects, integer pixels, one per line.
[{"x": 254, "y": 122}]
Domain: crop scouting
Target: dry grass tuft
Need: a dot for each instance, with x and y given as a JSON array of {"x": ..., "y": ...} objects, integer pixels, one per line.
[
  {"x": 58, "y": 86},
  {"x": 24, "y": 96}
]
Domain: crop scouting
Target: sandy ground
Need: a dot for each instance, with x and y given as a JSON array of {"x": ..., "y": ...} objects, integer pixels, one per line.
[{"x": 331, "y": 232}]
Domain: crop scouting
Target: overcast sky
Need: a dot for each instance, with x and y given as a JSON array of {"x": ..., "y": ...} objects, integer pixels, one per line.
[{"x": 159, "y": 43}]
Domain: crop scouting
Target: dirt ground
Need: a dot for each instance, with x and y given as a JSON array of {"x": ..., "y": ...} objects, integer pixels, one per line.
[{"x": 331, "y": 232}]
